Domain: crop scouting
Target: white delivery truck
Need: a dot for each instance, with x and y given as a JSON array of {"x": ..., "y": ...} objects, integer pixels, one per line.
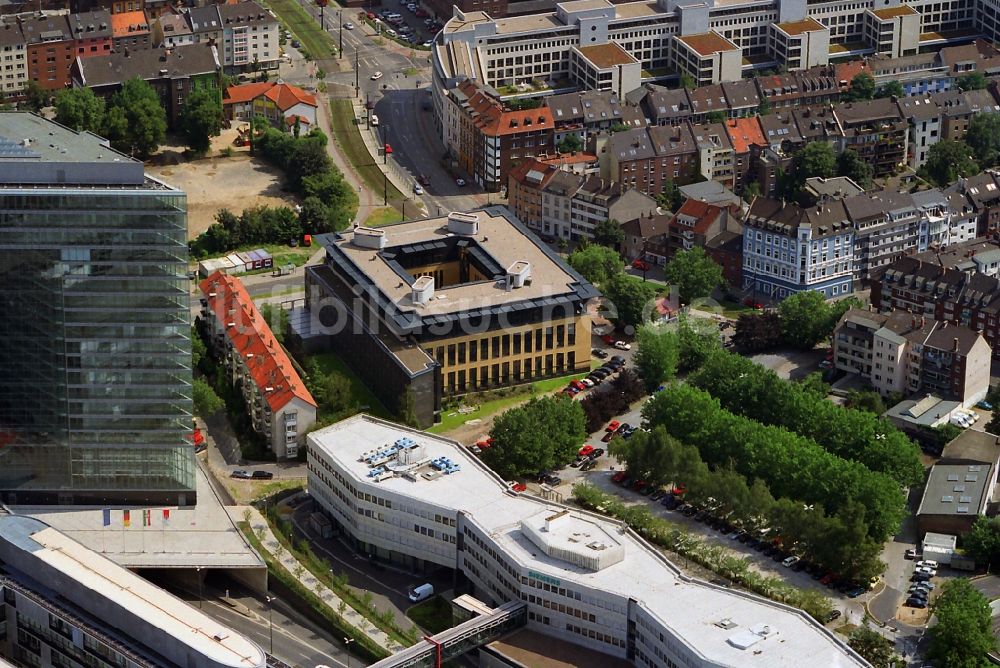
[{"x": 421, "y": 592}]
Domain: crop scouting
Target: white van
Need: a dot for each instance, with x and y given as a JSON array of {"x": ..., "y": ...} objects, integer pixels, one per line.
[
  {"x": 390, "y": 32},
  {"x": 421, "y": 592}
]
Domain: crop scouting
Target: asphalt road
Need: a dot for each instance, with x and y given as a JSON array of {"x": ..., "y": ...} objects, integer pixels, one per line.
[{"x": 296, "y": 640}]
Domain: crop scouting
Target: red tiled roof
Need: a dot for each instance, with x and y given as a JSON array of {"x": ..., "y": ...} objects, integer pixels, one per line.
[
  {"x": 569, "y": 158},
  {"x": 492, "y": 119},
  {"x": 290, "y": 120},
  {"x": 250, "y": 334},
  {"x": 704, "y": 214},
  {"x": 246, "y": 92},
  {"x": 129, "y": 23},
  {"x": 286, "y": 97},
  {"x": 743, "y": 132},
  {"x": 849, "y": 70}
]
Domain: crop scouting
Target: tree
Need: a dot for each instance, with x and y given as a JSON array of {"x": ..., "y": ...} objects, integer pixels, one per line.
[
  {"x": 962, "y": 638},
  {"x": 891, "y": 89},
  {"x": 571, "y": 143},
  {"x": 971, "y": 81},
  {"x": 850, "y": 164},
  {"x": 815, "y": 159},
  {"x": 994, "y": 425},
  {"x": 631, "y": 299},
  {"x": 670, "y": 197},
  {"x": 814, "y": 385},
  {"x": 206, "y": 401},
  {"x": 544, "y": 433},
  {"x": 596, "y": 263},
  {"x": 201, "y": 119},
  {"x": 757, "y": 332},
  {"x": 657, "y": 355},
  {"x": 694, "y": 273},
  {"x": 35, "y": 97},
  {"x": 982, "y": 543},
  {"x": 407, "y": 410},
  {"x": 336, "y": 393},
  {"x": 697, "y": 338},
  {"x": 308, "y": 158},
  {"x": 145, "y": 121},
  {"x": 875, "y": 648},
  {"x": 715, "y": 117},
  {"x": 865, "y": 400},
  {"x": 805, "y": 319},
  {"x": 687, "y": 81},
  {"x": 983, "y": 137},
  {"x": 948, "y": 160},
  {"x": 609, "y": 233},
  {"x": 80, "y": 109},
  {"x": 862, "y": 87}
]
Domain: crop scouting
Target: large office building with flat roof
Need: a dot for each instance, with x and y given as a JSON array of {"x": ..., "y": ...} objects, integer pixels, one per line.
[
  {"x": 422, "y": 501},
  {"x": 95, "y": 404},
  {"x": 66, "y": 606},
  {"x": 445, "y": 306}
]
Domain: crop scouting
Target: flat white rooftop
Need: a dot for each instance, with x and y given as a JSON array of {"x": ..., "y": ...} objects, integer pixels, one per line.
[
  {"x": 97, "y": 574},
  {"x": 201, "y": 535},
  {"x": 716, "y": 621}
]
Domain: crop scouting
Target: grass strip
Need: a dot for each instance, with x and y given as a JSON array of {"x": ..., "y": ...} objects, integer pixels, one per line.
[
  {"x": 348, "y": 135},
  {"x": 317, "y": 42}
]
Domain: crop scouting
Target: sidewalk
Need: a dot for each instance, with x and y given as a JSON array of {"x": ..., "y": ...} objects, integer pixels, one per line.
[
  {"x": 373, "y": 143},
  {"x": 366, "y": 200},
  {"x": 307, "y": 580}
]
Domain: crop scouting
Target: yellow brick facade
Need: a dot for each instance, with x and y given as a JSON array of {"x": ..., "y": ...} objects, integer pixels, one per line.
[{"x": 511, "y": 356}]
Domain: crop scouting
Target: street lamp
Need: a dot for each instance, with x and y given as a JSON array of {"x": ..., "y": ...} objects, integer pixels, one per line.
[
  {"x": 270, "y": 623},
  {"x": 341, "y": 34},
  {"x": 347, "y": 650},
  {"x": 200, "y": 595}
]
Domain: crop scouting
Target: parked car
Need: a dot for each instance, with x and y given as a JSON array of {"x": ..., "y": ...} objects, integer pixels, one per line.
[
  {"x": 926, "y": 570},
  {"x": 985, "y": 405},
  {"x": 262, "y": 475},
  {"x": 516, "y": 486},
  {"x": 475, "y": 449},
  {"x": 553, "y": 480},
  {"x": 910, "y": 554},
  {"x": 831, "y": 616},
  {"x": 927, "y": 563},
  {"x": 588, "y": 383},
  {"x": 376, "y": 76},
  {"x": 588, "y": 465},
  {"x": 657, "y": 495},
  {"x": 240, "y": 474},
  {"x": 613, "y": 425},
  {"x": 599, "y": 354},
  {"x": 640, "y": 265},
  {"x": 585, "y": 451},
  {"x": 618, "y": 477},
  {"x": 790, "y": 561},
  {"x": 916, "y": 602},
  {"x": 621, "y": 345},
  {"x": 597, "y": 452}
]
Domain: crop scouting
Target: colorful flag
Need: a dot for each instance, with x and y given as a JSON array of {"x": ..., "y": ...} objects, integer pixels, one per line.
[
  {"x": 166, "y": 517},
  {"x": 107, "y": 517},
  {"x": 126, "y": 518},
  {"x": 147, "y": 518}
]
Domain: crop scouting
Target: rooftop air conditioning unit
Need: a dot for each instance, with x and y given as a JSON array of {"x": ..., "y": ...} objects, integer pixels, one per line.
[
  {"x": 422, "y": 290},
  {"x": 519, "y": 273},
  {"x": 466, "y": 224},
  {"x": 369, "y": 237}
]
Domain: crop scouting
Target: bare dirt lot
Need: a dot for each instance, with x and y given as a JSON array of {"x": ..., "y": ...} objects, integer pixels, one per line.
[{"x": 215, "y": 183}]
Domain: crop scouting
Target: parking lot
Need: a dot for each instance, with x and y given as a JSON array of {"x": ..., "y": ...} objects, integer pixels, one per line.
[{"x": 408, "y": 23}]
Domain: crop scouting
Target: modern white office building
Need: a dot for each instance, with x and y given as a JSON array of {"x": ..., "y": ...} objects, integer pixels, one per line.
[{"x": 420, "y": 500}]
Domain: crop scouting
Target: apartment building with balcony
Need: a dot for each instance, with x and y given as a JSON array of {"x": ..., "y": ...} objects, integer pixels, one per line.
[
  {"x": 646, "y": 158},
  {"x": 887, "y": 225},
  {"x": 587, "y": 113},
  {"x": 900, "y": 352},
  {"x": 716, "y": 228},
  {"x": 789, "y": 249},
  {"x": 278, "y": 404},
  {"x": 982, "y": 193},
  {"x": 960, "y": 285},
  {"x": 249, "y": 37},
  {"x": 13, "y": 59},
  {"x": 716, "y": 157},
  {"x": 876, "y": 130}
]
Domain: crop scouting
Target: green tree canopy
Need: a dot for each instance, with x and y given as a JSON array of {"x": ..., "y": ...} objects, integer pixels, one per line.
[
  {"x": 631, "y": 299},
  {"x": 716, "y": 116},
  {"x": 757, "y": 332},
  {"x": 201, "y": 118},
  {"x": 596, "y": 263},
  {"x": 206, "y": 401},
  {"x": 983, "y": 542},
  {"x": 948, "y": 160},
  {"x": 866, "y": 400},
  {"x": 544, "y": 433},
  {"x": 805, "y": 319},
  {"x": 814, "y": 159},
  {"x": 657, "y": 355},
  {"x": 971, "y": 81},
  {"x": 862, "y": 87},
  {"x": 609, "y": 233},
  {"x": 891, "y": 89},
  {"x": 983, "y": 137},
  {"x": 570, "y": 144},
  {"x": 694, "y": 273},
  {"x": 850, "y": 164},
  {"x": 697, "y": 339},
  {"x": 136, "y": 119},
  {"x": 80, "y": 109},
  {"x": 671, "y": 196},
  {"x": 874, "y": 647},
  {"x": 963, "y": 636}
]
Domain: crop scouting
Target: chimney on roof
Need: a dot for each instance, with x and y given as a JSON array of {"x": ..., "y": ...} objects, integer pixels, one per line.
[{"x": 954, "y": 345}]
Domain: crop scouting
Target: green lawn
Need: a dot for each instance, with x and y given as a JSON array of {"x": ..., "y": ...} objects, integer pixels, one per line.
[
  {"x": 433, "y": 615},
  {"x": 383, "y": 216},
  {"x": 348, "y": 135},
  {"x": 329, "y": 362},
  {"x": 733, "y": 309},
  {"x": 452, "y": 419},
  {"x": 318, "y": 43}
]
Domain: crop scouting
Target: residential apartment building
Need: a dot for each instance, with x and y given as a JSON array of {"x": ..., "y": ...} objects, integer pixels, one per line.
[
  {"x": 598, "y": 200},
  {"x": 646, "y": 158},
  {"x": 877, "y": 131},
  {"x": 96, "y": 404},
  {"x": 249, "y": 37},
  {"x": 64, "y": 605},
  {"x": 712, "y": 227},
  {"x": 590, "y": 112},
  {"x": 906, "y": 353},
  {"x": 173, "y": 73},
  {"x": 982, "y": 192},
  {"x": 960, "y": 285},
  {"x": 923, "y": 114},
  {"x": 13, "y": 59},
  {"x": 958, "y": 108},
  {"x": 130, "y": 31},
  {"x": 92, "y": 32},
  {"x": 887, "y": 225},
  {"x": 51, "y": 49},
  {"x": 646, "y": 238},
  {"x": 278, "y": 404},
  {"x": 789, "y": 249},
  {"x": 423, "y": 313},
  {"x": 281, "y": 104},
  {"x": 423, "y": 502}
]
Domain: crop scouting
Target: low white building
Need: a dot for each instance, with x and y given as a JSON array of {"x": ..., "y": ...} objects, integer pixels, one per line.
[
  {"x": 420, "y": 501},
  {"x": 939, "y": 547}
]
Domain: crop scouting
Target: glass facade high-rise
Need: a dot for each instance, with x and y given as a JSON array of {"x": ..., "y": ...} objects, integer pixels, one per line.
[{"x": 95, "y": 350}]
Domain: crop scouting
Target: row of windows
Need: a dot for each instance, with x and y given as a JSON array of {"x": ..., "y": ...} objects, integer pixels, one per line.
[{"x": 500, "y": 346}]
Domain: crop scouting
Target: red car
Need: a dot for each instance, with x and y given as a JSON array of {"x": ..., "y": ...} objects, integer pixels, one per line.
[
  {"x": 640, "y": 265},
  {"x": 517, "y": 486},
  {"x": 585, "y": 450},
  {"x": 578, "y": 385},
  {"x": 371, "y": 16},
  {"x": 608, "y": 339},
  {"x": 618, "y": 477},
  {"x": 485, "y": 443},
  {"x": 613, "y": 425}
]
